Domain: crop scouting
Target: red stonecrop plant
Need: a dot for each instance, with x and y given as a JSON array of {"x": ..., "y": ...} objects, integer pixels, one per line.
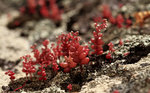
[
  {"x": 119, "y": 21},
  {"x": 71, "y": 48},
  {"x": 51, "y": 11},
  {"x": 28, "y": 66},
  {"x": 68, "y": 46},
  {"x": 65, "y": 41},
  {"x": 97, "y": 41},
  {"x": 45, "y": 58},
  {"x": 11, "y": 74}
]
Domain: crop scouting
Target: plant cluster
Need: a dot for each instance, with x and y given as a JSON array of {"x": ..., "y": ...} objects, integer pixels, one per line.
[
  {"x": 97, "y": 41},
  {"x": 74, "y": 53},
  {"x": 47, "y": 9},
  {"x": 68, "y": 46},
  {"x": 119, "y": 21},
  {"x": 66, "y": 54}
]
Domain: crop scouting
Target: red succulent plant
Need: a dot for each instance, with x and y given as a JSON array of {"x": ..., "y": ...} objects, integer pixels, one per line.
[
  {"x": 97, "y": 41},
  {"x": 48, "y": 57},
  {"x": 28, "y": 66},
  {"x": 50, "y": 10},
  {"x": 72, "y": 49},
  {"x": 11, "y": 74},
  {"x": 119, "y": 20}
]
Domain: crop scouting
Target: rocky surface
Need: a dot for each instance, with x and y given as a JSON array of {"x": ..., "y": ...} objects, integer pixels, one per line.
[{"x": 127, "y": 74}]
